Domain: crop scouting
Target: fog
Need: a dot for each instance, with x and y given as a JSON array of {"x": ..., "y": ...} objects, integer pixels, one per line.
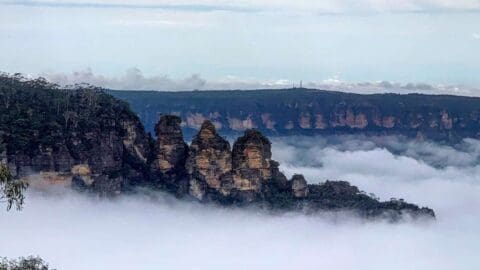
[{"x": 155, "y": 231}]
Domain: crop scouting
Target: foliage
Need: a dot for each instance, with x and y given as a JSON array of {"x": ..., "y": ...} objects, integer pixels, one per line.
[
  {"x": 29, "y": 263},
  {"x": 11, "y": 190},
  {"x": 36, "y": 114}
]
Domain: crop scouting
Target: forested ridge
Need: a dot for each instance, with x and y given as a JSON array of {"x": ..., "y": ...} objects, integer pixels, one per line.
[{"x": 303, "y": 111}]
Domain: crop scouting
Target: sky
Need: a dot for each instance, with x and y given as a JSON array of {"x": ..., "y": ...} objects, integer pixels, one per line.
[{"x": 243, "y": 42}]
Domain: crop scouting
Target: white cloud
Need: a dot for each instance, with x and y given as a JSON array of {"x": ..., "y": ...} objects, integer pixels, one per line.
[
  {"x": 134, "y": 79},
  {"x": 329, "y": 6},
  {"x": 476, "y": 36},
  {"x": 156, "y": 231}
]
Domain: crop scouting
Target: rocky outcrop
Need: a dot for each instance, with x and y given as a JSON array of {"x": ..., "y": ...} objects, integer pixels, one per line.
[
  {"x": 86, "y": 139},
  {"x": 82, "y": 137},
  {"x": 299, "y": 186},
  {"x": 209, "y": 162},
  {"x": 340, "y": 195},
  {"x": 251, "y": 161},
  {"x": 248, "y": 176},
  {"x": 171, "y": 151}
]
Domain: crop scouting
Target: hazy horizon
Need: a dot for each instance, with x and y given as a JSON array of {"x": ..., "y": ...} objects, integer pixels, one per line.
[{"x": 175, "y": 45}]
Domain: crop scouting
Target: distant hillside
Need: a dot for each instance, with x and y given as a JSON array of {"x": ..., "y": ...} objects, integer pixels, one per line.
[{"x": 310, "y": 112}]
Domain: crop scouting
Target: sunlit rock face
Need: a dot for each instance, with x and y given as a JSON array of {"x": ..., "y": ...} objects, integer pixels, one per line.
[
  {"x": 251, "y": 161},
  {"x": 208, "y": 162},
  {"x": 252, "y": 166}
]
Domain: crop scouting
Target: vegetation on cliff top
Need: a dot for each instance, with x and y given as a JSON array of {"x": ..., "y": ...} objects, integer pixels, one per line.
[
  {"x": 303, "y": 111},
  {"x": 36, "y": 114},
  {"x": 28, "y": 263}
]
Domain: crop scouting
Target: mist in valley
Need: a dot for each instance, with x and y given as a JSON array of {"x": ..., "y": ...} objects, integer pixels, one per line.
[{"x": 154, "y": 230}]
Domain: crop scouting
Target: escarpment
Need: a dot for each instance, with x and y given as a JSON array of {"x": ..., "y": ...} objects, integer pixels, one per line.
[
  {"x": 314, "y": 112},
  {"x": 86, "y": 139}
]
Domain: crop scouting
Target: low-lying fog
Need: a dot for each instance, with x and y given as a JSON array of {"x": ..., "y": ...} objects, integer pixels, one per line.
[{"x": 71, "y": 231}]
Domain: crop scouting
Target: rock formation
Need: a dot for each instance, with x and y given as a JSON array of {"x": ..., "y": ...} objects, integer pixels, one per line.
[
  {"x": 82, "y": 137},
  {"x": 299, "y": 186},
  {"x": 209, "y": 162},
  {"x": 91, "y": 141},
  {"x": 170, "y": 155},
  {"x": 171, "y": 150},
  {"x": 251, "y": 163}
]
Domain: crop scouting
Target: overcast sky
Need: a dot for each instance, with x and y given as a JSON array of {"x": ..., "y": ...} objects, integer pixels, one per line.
[{"x": 426, "y": 41}]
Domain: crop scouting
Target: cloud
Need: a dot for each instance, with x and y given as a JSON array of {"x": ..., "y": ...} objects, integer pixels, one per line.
[
  {"x": 153, "y": 230},
  {"x": 134, "y": 79},
  {"x": 330, "y": 7},
  {"x": 476, "y": 36},
  {"x": 152, "y": 5}
]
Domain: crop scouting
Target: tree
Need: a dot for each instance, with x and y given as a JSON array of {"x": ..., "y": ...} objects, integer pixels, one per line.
[
  {"x": 11, "y": 190},
  {"x": 30, "y": 263}
]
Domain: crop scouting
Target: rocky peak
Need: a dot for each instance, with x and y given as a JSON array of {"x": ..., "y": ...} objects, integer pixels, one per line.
[
  {"x": 207, "y": 132},
  {"x": 171, "y": 150},
  {"x": 251, "y": 164},
  {"x": 252, "y": 151},
  {"x": 209, "y": 160},
  {"x": 169, "y": 125},
  {"x": 299, "y": 186}
]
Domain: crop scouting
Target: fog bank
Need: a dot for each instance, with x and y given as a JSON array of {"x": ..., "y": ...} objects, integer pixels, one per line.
[{"x": 72, "y": 231}]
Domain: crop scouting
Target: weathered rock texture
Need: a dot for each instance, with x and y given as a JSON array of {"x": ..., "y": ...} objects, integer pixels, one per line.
[
  {"x": 170, "y": 155},
  {"x": 209, "y": 161},
  {"x": 91, "y": 141},
  {"x": 251, "y": 161},
  {"x": 171, "y": 149}
]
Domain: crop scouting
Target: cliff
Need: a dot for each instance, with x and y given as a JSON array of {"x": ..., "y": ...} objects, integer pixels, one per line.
[
  {"x": 313, "y": 112},
  {"x": 86, "y": 139},
  {"x": 81, "y": 136}
]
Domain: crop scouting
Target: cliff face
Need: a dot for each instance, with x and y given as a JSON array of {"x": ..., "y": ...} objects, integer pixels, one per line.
[
  {"x": 80, "y": 137},
  {"x": 313, "y": 112},
  {"x": 91, "y": 141}
]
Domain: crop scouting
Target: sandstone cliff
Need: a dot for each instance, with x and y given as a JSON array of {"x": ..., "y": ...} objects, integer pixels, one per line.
[
  {"x": 313, "y": 112},
  {"x": 209, "y": 162}
]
